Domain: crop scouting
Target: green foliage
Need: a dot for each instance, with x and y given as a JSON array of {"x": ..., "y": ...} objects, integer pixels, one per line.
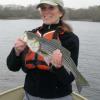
[
  {"x": 18, "y": 12},
  {"x": 90, "y": 14},
  {"x": 30, "y": 12}
]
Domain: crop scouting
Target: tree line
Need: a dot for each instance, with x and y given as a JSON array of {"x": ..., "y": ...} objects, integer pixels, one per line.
[{"x": 30, "y": 12}]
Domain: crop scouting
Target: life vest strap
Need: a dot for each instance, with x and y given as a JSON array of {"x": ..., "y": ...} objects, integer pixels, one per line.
[{"x": 35, "y": 63}]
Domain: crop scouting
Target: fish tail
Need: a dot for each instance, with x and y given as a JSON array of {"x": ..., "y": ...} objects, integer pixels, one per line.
[{"x": 80, "y": 83}]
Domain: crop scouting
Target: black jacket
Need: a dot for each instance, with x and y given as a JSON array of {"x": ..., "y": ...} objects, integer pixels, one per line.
[{"x": 48, "y": 84}]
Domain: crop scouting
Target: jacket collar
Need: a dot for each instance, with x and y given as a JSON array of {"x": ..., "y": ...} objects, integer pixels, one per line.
[{"x": 46, "y": 28}]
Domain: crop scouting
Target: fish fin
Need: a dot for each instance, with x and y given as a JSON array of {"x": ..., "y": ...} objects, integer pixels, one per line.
[
  {"x": 79, "y": 87},
  {"x": 81, "y": 84},
  {"x": 43, "y": 52}
]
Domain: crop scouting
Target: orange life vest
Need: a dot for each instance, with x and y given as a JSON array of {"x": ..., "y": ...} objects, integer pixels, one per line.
[{"x": 33, "y": 60}]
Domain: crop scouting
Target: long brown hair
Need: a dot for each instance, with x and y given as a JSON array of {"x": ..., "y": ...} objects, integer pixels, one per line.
[{"x": 65, "y": 26}]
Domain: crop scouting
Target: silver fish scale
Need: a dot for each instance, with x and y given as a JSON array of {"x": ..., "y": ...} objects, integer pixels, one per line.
[{"x": 67, "y": 62}]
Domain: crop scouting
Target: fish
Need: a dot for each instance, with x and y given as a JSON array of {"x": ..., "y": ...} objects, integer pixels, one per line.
[{"x": 42, "y": 46}]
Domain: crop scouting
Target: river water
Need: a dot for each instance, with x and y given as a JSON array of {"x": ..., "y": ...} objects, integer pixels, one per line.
[{"x": 89, "y": 54}]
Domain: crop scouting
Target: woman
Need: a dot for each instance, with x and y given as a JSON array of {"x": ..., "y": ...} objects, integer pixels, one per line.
[{"x": 43, "y": 81}]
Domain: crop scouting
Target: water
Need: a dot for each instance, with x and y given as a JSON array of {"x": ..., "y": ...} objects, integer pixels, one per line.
[{"x": 89, "y": 58}]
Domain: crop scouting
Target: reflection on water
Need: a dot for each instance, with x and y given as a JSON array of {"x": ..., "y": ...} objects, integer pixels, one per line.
[{"x": 89, "y": 58}]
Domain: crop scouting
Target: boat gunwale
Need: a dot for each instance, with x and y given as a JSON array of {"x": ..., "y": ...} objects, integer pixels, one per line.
[
  {"x": 10, "y": 90},
  {"x": 21, "y": 87}
]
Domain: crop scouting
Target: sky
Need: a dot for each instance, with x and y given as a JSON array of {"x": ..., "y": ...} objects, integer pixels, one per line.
[{"x": 67, "y": 3}]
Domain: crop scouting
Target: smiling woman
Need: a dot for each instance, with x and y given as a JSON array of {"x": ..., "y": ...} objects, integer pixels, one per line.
[
  {"x": 50, "y": 14},
  {"x": 47, "y": 78}
]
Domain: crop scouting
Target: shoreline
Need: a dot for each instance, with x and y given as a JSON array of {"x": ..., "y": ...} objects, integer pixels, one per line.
[{"x": 87, "y": 20}]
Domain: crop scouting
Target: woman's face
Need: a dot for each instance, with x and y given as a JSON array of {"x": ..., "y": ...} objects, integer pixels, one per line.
[{"x": 50, "y": 14}]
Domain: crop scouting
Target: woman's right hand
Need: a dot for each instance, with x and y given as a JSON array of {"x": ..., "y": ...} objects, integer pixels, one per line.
[{"x": 19, "y": 46}]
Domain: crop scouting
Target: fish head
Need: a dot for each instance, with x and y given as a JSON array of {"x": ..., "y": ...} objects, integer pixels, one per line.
[
  {"x": 32, "y": 41},
  {"x": 34, "y": 45}
]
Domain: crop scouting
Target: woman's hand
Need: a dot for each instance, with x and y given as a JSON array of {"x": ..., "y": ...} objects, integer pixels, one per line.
[
  {"x": 56, "y": 58},
  {"x": 19, "y": 46}
]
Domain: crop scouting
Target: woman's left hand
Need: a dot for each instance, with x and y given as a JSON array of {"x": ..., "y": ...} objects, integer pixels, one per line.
[{"x": 56, "y": 58}]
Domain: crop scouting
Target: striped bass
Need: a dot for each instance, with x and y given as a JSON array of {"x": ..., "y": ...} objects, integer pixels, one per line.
[{"x": 39, "y": 44}]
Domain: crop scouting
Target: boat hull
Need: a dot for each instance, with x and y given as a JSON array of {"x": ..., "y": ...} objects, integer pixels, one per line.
[{"x": 18, "y": 94}]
